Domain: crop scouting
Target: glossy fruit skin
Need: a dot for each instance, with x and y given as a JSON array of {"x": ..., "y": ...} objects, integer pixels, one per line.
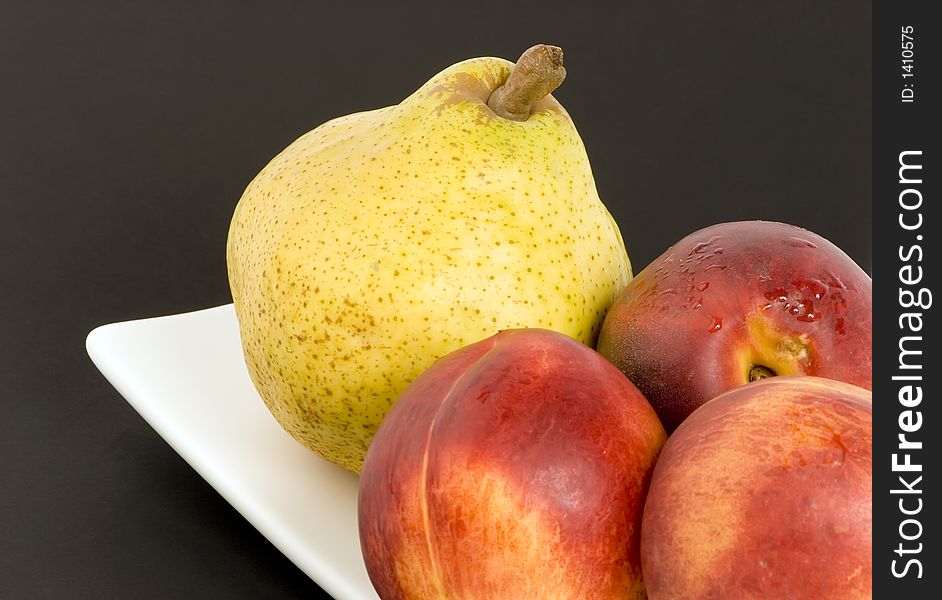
[
  {"x": 765, "y": 493},
  {"x": 383, "y": 240},
  {"x": 696, "y": 320},
  {"x": 514, "y": 468}
]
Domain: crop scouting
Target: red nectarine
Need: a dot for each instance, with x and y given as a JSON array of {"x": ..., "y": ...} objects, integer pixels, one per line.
[
  {"x": 765, "y": 493},
  {"x": 738, "y": 302},
  {"x": 513, "y": 468}
]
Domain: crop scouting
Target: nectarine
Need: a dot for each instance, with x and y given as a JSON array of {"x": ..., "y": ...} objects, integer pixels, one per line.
[
  {"x": 738, "y": 302},
  {"x": 765, "y": 493},
  {"x": 513, "y": 468}
]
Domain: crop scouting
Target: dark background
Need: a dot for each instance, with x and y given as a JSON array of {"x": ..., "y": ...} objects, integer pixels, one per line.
[{"x": 129, "y": 130}]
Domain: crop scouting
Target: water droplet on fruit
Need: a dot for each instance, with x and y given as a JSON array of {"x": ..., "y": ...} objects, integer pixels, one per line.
[
  {"x": 812, "y": 286},
  {"x": 702, "y": 246},
  {"x": 716, "y": 325},
  {"x": 797, "y": 242},
  {"x": 838, "y": 299},
  {"x": 809, "y": 316},
  {"x": 703, "y": 286},
  {"x": 835, "y": 281},
  {"x": 839, "y": 326},
  {"x": 715, "y": 267}
]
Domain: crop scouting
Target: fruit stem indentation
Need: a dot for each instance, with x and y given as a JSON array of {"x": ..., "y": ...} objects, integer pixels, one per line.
[{"x": 757, "y": 372}]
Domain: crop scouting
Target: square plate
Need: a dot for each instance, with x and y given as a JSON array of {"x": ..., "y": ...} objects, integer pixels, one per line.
[{"x": 186, "y": 376}]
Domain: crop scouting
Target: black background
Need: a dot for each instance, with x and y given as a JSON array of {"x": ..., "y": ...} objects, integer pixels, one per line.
[{"x": 128, "y": 131}]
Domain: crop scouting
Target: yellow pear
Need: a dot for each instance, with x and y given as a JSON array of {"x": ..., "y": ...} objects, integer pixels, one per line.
[{"x": 383, "y": 240}]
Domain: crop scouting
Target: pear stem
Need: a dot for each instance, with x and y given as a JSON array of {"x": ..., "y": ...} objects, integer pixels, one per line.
[{"x": 537, "y": 73}]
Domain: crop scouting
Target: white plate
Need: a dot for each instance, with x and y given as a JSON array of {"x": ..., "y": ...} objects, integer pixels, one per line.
[{"x": 185, "y": 375}]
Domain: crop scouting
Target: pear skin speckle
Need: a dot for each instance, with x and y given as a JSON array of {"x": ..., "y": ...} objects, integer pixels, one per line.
[{"x": 383, "y": 240}]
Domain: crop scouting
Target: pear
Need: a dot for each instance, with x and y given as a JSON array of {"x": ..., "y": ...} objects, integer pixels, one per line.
[{"x": 383, "y": 240}]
